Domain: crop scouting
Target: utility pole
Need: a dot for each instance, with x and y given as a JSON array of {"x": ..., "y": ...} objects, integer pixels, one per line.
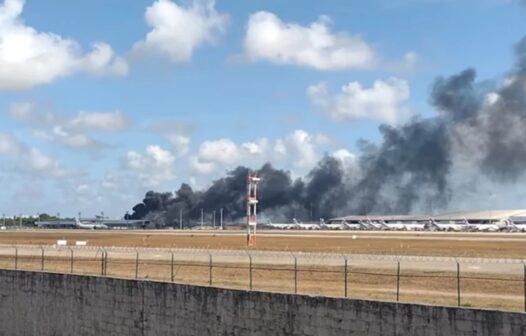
[
  {"x": 3, "y": 219},
  {"x": 181, "y": 219},
  {"x": 20, "y": 221},
  {"x": 214, "y": 220},
  {"x": 311, "y": 212},
  {"x": 202, "y": 218},
  {"x": 221, "y": 218}
]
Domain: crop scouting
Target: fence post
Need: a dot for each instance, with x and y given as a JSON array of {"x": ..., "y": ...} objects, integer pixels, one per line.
[
  {"x": 210, "y": 268},
  {"x": 42, "y": 259},
  {"x": 172, "y": 268},
  {"x": 345, "y": 271},
  {"x": 458, "y": 284},
  {"x": 101, "y": 261},
  {"x": 16, "y": 258},
  {"x": 137, "y": 265},
  {"x": 250, "y": 270},
  {"x": 70, "y": 260},
  {"x": 524, "y": 281},
  {"x": 295, "y": 274},
  {"x": 105, "y": 262},
  {"x": 398, "y": 281}
]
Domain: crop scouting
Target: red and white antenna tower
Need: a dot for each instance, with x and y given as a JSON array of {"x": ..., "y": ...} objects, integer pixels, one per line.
[{"x": 252, "y": 201}]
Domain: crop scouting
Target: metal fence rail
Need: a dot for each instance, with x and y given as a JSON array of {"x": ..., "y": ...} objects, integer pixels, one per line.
[{"x": 479, "y": 282}]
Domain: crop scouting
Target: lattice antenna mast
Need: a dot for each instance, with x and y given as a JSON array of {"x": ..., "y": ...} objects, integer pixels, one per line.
[{"x": 252, "y": 201}]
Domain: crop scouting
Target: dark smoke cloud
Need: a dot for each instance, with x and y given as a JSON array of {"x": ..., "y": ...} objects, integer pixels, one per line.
[
  {"x": 280, "y": 196},
  {"x": 480, "y": 128}
]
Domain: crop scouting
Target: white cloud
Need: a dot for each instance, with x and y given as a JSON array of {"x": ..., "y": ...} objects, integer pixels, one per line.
[
  {"x": 153, "y": 167},
  {"x": 382, "y": 102},
  {"x": 219, "y": 151},
  {"x": 30, "y": 160},
  {"x": 299, "y": 150},
  {"x": 106, "y": 121},
  {"x": 109, "y": 182},
  {"x": 40, "y": 162},
  {"x": 315, "y": 46},
  {"x": 299, "y": 146},
  {"x": 177, "y": 31},
  {"x": 69, "y": 131},
  {"x": 9, "y": 145},
  {"x": 177, "y": 133},
  {"x": 30, "y": 58},
  {"x": 102, "y": 61},
  {"x": 180, "y": 143},
  {"x": 224, "y": 153},
  {"x": 344, "y": 155}
]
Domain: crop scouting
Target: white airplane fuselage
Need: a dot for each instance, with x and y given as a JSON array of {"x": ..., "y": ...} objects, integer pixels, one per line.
[{"x": 81, "y": 225}]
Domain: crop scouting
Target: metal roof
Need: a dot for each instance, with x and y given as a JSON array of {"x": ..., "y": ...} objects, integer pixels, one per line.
[
  {"x": 469, "y": 215},
  {"x": 483, "y": 215}
]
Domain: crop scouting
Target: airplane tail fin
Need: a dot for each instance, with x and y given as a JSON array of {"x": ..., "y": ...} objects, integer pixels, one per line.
[{"x": 431, "y": 224}]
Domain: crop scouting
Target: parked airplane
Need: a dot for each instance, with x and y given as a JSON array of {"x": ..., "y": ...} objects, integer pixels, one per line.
[
  {"x": 485, "y": 227},
  {"x": 353, "y": 226},
  {"x": 96, "y": 226},
  {"x": 280, "y": 226},
  {"x": 302, "y": 226},
  {"x": 432, "y": 224},
  {"x": 335, "y": 226},
  {"x": 519, "y": 226},
  {"x": 393, "y": 225},
  {"x": 369, "y": 224}
]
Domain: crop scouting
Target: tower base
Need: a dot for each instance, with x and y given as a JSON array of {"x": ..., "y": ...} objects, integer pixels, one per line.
[{"x": 251, "y": 240}]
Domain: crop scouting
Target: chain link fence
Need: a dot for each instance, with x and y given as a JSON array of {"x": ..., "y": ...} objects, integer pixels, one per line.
[{"x": 470, "y": 282}]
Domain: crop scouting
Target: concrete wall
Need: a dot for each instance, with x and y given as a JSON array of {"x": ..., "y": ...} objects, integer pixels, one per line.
[{"x": 44, "y": 304}]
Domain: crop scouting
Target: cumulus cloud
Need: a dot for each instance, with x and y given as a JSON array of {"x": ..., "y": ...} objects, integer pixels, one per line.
[
  {"x": 224, "y": 153},
  {"x": 299, "y": 150},
  {"x": 301, "y": 146},
  {"x": 343, "y": 154},
  {"x": 178, "y": 135},
  {"x": 106, "y": 121},
  {"x": 67, "y": 130},
  {"x": 315, "y": 46},
  {"x": 178, "y": 30},
  {"x": 29, "y": 58},
  {"x": 9, "y": 145},
  {"x": 180, "y": 143},
  {"x": 153, "y": 167},
  {"x": 383, "y": 102},
  {"x": 40, "y": 162},
  {"x": 28, "y": 159}
]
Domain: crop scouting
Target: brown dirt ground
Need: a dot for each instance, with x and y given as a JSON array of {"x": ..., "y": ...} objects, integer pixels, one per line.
[{"x": 413, "y": 244}]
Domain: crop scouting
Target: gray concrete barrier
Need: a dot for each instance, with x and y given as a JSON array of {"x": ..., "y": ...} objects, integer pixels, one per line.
[{"x": 35, "y": 303}]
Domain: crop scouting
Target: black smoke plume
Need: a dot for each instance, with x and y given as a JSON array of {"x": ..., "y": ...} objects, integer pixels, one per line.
[{"x": 478, "y": 135}]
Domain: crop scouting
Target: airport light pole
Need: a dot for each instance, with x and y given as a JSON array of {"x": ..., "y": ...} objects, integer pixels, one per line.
[
  {"x": 221, "y": 218},
  {"x": 180, "y": 219}
]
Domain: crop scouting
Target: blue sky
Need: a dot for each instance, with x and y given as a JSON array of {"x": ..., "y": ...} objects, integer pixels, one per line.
[{"x": 199, "y": 89}]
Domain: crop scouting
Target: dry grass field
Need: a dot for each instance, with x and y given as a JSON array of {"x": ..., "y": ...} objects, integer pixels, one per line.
[{"x": 497, "y": 288}]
